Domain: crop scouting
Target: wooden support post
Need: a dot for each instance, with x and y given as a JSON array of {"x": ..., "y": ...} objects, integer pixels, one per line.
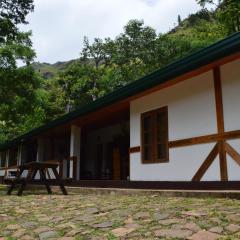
[
  {"x": 232, "y": 153},
  {"x": 75, "y": 145},
  {"x": 206, "y": 164},
  {"x": 220, "y": 123}
]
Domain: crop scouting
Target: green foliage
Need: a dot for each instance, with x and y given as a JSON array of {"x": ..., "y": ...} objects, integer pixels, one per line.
[
  {"x": 18, "y": 113},
  {"x": 37, "y": 93},
  {"x": 227, "y": 12}
]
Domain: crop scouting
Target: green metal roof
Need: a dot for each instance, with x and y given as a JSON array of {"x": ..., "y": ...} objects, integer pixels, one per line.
[{"x": 200, "y": 58}]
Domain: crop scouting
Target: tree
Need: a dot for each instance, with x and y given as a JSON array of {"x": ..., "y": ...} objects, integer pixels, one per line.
[
  {"x": 179, "y": 20},
  {"x": 17, "y": 85},
  {"x": 227, "y": 11},
  {"x": 95, "y": 51}
]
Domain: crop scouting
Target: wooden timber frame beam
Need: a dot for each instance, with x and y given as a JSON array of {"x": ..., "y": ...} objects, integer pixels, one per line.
[{"x": 220, "y": 123}]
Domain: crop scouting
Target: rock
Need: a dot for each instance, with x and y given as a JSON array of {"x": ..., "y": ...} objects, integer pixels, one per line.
[
  {"x": 98, "y": 238},
  {"x": 57, "y": 220},
  {"x": 167, "y": 222},
  {"x": 129, "y": 220},
  {"x": 204, "y": 235},
  {"x": 47, "y": 235},
  {"x": 122, "y": 231},
  {"x": 142, "y": 215},
  {"x": 13, "y": 227},
  {"x": 92, "y": 210},
  {"x": 234, "y": 217},
  {"x": 28, "y": 225},
  {"x": 21, "y": 211},
  {"x": 132, "y": 225},
  {"x": 103, "y": 225},
  {"x": 42, "y": 229},
  {"x": 66, "y": 238},
  {"x": 192, "y": 226},
  {"x": 173, "y": 233},
  {"x": 86, "y": 218},
  {"x": 26, "y": 237},
  {"x": 73, "y": 232},
  {"x": 194, "y": 213},
  {"x": 45, "y": 219},
  {"x": 160, "y": 216},
  {"x": 19, "y": 233},
  {"x": 233, "y": 228},
  {"x": 216, "y": 230}
]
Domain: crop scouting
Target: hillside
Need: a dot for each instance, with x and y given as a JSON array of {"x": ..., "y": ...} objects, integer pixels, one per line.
[{"x": 48, "y": 70}]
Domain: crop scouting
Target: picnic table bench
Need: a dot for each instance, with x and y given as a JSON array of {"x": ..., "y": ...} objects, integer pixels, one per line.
[{"x": 33, "y": 168}]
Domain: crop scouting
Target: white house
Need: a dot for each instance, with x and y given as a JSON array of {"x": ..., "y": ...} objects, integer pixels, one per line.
[{"x": 178, "y": 127}]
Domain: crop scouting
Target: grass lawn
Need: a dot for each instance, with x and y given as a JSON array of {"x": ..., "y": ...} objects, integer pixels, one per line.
[{"x": 98, "y": 217}]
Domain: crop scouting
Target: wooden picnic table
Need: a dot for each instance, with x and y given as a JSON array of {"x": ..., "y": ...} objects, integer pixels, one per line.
[{"x": 33, "y": 168}]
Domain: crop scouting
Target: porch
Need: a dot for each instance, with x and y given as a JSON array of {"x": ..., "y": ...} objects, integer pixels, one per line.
[{"x": 93, "y": 147}]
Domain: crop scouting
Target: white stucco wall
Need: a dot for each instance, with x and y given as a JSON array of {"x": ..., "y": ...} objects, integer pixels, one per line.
[
  {"x": 192, "y": 113},
  {"x": 231, "y": 104}
]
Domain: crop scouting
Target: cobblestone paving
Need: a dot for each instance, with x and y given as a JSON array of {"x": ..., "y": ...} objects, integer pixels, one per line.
[{"x": 99, "y": 217}]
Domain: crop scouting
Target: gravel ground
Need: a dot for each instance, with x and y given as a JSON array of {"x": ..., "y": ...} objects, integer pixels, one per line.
[{"x": 37, "y": 215}]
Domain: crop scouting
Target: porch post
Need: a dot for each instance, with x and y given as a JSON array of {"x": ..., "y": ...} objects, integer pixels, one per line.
[
  {"x": 19, "y": 157},
  {"x": 7, "y": 159},
  {"x": 75, "y": 142},
  {"x": 39, "y": 150}
]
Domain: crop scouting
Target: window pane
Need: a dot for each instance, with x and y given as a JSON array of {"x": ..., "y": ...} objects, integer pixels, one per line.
[
  {"x": 161, "y": 123},
  {"x": 13, "y": 157},
  {"x": 147, "y": 153},
  {"x": 3, "y": 159},
  {"x": 147, "y": 138},
  {"x": 146, "y": 123},
  {"x": 161, "y": 151}
]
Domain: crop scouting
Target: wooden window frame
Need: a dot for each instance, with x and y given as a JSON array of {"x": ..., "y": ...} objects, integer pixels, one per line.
[{"x": 154, "y": 142}]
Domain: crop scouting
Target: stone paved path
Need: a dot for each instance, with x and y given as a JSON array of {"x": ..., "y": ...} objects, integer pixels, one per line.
[{"x": 99, "y": 217}]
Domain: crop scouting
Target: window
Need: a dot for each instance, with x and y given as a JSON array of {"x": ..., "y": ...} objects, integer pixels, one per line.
[
  {"x": 154, "y": 136},
  {"x": 3, "y": 159},
  {"x": 13, "y": 154}
]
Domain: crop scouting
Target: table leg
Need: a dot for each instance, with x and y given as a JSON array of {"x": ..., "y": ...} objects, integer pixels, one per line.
[
  {"x": 15, "y": 182},
  {"x": 25, "y": 181},
  {"x": 44, "y": 179},
  {"x": 59, "y": 181}
]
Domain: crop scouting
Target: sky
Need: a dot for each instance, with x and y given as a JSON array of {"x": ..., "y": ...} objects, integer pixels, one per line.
[{"x": 59, "y": 26}]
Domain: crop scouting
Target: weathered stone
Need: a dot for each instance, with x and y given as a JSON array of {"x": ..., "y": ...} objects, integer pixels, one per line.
[
  {"x": 66, "y": 238},
  {"x": 19, "y": 233},
  {"x": 160, "y": 216},
  {"x": 86, "y": 218},
  {"x": 103, "y": 225},
  {"x": 216, "y": 230},
  {"x": 233, "y": 228},
  {"x": 142, "y": 215},
  {"x": 13, "y": 227},
  {"x": 192, "y": 226},
  {"x": 98, "y": 238},
  {"x": 42, "y": 229},
  {"x": 204, "y": 235},
  {"x": 120, "y": 232},
  {"x": 74, "y": 232},
  {"x": 28, "y": 225},
  {"x": 132, "y": 225},
  {"x": 48, "y": 235},
  {"x": 173, "y": 233},
  {"x": 234, "y": 218},
  {"x": 170, "y": 221},
  {"x": 92, "y": 210},
  {"x": 26, "y": 237},
  {"x": 194, "y": 213}
]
